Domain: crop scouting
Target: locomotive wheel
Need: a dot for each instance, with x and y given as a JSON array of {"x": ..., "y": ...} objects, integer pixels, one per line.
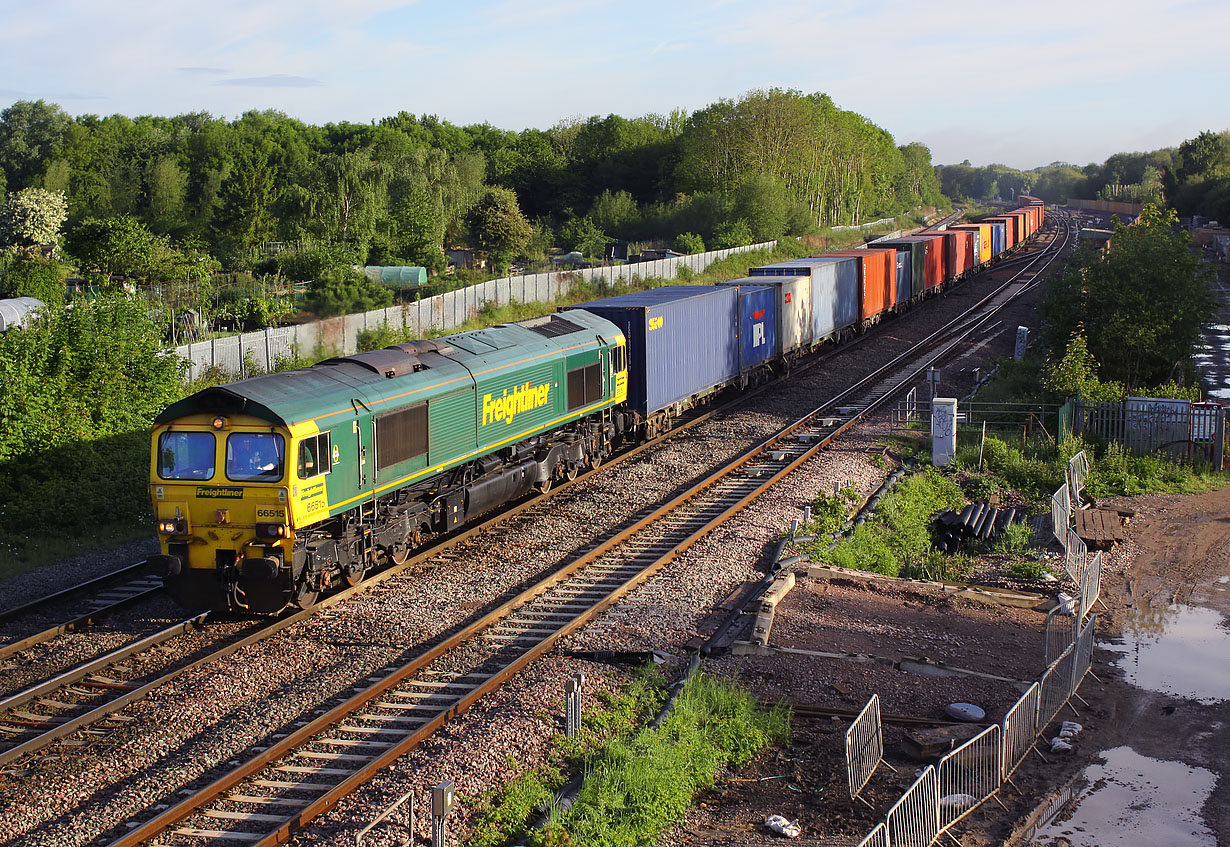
[
  {"x": 572, "y": 473},
  {"x": 354, "y": 573},
  {"x": 595, "y": 461},
  {"x": 306, "y": 596},
  {"x": 545, "y": 485}
]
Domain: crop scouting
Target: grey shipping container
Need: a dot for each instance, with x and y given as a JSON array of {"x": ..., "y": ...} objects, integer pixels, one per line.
[
  {"x": 793, "y": 312},
  {"x": 682, "y": 342},
  {"x": 834, "y": 291}
]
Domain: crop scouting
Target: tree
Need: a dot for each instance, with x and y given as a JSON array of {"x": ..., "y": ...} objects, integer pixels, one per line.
[
  {"x": 762, "y": 201},
  {"x": 32, "y": 217},
  {"x": 31, "y": 276},
  {"x": 500, "y": 227},
  {"x": 245, "y": 217},
  {"x": 584, "y": 236},
  {"x": 1141, "y": 305},
  {"x": 734, "y": 233},
  {"x": 31, "y": 134},
  {"x": 343, "y": 291},
  {"x": 109, "y": 246}
]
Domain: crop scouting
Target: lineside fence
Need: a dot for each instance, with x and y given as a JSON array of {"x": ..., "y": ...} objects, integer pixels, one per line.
[
  {"x": 1180, "y": 429},
  {"x": 975, "y": 772},
  {"x": 262, "y": 351}
]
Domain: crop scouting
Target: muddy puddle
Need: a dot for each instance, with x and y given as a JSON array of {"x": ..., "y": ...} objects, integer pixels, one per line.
[
  {"x": 1131, "y": 799},
  {"x": 1171, "y": 649}
]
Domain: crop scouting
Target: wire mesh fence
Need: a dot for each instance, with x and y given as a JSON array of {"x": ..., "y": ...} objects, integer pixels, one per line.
[{"x": 864, "y": 746}]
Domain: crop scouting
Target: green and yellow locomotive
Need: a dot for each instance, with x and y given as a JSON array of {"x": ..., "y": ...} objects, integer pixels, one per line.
[{"x": 272, "y": 489}]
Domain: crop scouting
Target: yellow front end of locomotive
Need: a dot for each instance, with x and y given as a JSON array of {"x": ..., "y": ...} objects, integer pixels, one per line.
[{"x": 219, "y": 488}]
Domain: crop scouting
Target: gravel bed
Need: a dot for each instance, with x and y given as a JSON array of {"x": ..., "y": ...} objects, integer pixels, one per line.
[
  {"x": 179, "y": 735},
  {"x": 48, "y": 658},
  {"x": 23, "y": 588}
]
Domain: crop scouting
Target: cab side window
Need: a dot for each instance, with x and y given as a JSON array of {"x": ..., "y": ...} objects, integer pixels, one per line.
[
  {"x": 617, "y": 359},
  {"x": 315, "y": 456}
]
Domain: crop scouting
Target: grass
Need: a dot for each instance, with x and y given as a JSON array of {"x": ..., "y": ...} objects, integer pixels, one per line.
[
  {"x": 638, "y": 780},
  {"x": 896, "y": 539}
]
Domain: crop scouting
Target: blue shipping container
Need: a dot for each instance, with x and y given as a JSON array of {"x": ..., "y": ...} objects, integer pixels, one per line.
[
  {"x": 682, "y": 341},
  {"x": 757, "y": 325},
  {"x": 997, "y": 237},
  {"x": 834, "y": 291},
  {"x": 903, "y": 276}
]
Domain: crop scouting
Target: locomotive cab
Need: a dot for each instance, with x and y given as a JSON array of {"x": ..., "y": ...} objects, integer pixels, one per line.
[{"x": 219, "y": 487}]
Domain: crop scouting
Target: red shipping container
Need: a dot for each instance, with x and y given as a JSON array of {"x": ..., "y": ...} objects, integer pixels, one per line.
[{"x": 877, "y": 280}]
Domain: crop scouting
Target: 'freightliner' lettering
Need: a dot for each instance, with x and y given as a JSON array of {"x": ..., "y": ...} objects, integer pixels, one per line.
[{"x": 507, "y": 406}]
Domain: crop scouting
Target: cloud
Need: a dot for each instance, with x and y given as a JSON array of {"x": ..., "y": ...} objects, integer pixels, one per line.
[
  {"x": 272, "y": 81},
  {"x": 210, "y": 71}
]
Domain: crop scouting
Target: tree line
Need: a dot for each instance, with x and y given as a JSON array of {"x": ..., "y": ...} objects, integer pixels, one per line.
[
  {"x": 1193, "y": 178},
  {"x": 154, "y": 199}
]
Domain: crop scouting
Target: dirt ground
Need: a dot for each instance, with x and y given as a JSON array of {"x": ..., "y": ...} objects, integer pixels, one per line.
[{"x": 1178, "y": 548}]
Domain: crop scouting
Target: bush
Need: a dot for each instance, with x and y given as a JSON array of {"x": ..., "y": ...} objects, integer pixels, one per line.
[
  {"x": 28, "y": 276},
  {"x": 689, "y": 242},
  {"x": 736, "y": 233},
  {"x": 313, "y": 261},
  {"x": 342, "y": 291},
  {"x": 898, "y": 534}
]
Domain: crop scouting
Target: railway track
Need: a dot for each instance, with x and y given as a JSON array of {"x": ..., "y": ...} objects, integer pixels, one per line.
[
  {"x": 282, "y": 788},
  {"x": 84, "y": 604}
]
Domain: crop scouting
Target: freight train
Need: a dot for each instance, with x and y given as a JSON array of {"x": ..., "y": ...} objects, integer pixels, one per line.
[{"x": 271, "y": 490}]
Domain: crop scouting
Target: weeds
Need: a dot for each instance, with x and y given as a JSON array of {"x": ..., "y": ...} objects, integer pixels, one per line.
[
  {"x": 638, "y": 780},
  {"x": 898, "y": 535}
]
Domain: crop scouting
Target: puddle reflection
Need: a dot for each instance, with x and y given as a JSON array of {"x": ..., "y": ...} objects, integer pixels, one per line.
[
  {"x": 1170, "y": 649},
  {"x": 1132, "y": 800}
]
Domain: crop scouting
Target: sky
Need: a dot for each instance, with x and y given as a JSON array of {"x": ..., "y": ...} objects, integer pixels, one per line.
[{"x": 1022, "y": 84}]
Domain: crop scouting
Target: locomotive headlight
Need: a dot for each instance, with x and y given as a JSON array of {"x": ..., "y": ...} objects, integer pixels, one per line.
[
  {"x": 178, "y": 526},
  {"x": 270, "y": 530},
  {"x": 218, "y": 423}
]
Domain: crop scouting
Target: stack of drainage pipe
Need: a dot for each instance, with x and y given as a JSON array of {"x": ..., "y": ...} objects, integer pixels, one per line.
[{"x": 978, "y": 521}]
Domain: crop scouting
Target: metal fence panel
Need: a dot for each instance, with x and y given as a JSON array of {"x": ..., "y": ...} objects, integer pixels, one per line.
[
  {"x": 1020, "y": 728},
  {"x": 1059, "y": 632},
  {"x": 970, "y": 775},
  {"x": 1075, "y": 556},
  {"x": 1083, "y": 657},
  {"x": 864, "y": 746},
  {"x": 1078, "y": 476},
  {"x": 1056, "y": 685},
  {"x": 1061, "y": 515},
  {"x": 914, "y": 820},
  {"x": 1091, "y": 584},
  {"x": 878, "y": 837}
]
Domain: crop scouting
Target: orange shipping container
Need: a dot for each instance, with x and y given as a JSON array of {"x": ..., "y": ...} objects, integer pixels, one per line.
[{"x": 877, "y": 280}]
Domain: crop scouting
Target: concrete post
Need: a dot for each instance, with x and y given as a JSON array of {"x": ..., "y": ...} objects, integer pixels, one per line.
[
  {"x": 1022, "y": 342},
  {"x": 943, "y": 430}
]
